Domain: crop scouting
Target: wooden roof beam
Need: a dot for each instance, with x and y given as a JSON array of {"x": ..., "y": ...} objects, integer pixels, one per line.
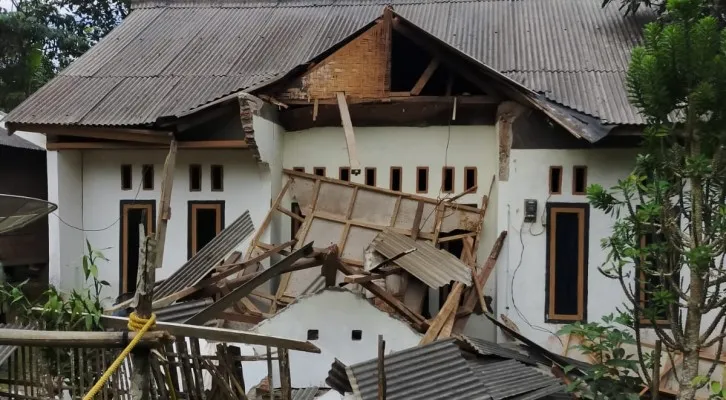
[{"x": 120, "y": 134}]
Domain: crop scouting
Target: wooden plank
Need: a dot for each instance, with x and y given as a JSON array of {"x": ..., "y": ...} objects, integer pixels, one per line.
[
  {"x": 438, "y": 323},
  {"x": 242, "y": 291},
  {"x": 196, "y": 354},
  {"x": 120, "y": 134},
  {"x": 349, "y": 134},
  {"x": 481, "y": 278},
  {"x": 417, "y": 221},
  {"x": 234, "y": 268},
  {"x": 369, "y": 278},
  {"x": 269, "y": 371},
  {"x": 449, "y": 324},
  {"x": 415, "y": 319},
  {"x": 457, "y": 237},
  {"x": 78, "y": 339},
  {"x": 329, "y": 269},
  {"x": 122, "y": 145},
  {"x": 425, "y": 77},
  {"x": 290, "y": 214},
  {"x": 268, "y": 218},
  {"x": 382, "y": 387},
  {"x": 285, "y": 381}
]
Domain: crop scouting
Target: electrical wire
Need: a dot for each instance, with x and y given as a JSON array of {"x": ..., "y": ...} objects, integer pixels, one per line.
[
  {"x": 136, "y": 197},
  {"x": 514, "y": 275}
]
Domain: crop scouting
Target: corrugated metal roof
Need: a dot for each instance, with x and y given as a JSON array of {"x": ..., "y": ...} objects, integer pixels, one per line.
[
  {"x": 14, "y": 140},
  {"x": 170, "y": 57},
  {"x": 510, "y": 378},
  {"x": 210, "y": 255},
  {"x": 180, "y": 312},
  {"x": 432, "y": 266},
  {"x": 431, "y": 372},
  {"x": 487, "y": 348},
  {"x": 308, "y": 393}
]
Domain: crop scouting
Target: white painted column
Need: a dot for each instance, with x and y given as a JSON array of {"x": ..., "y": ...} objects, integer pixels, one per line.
[{"x": 66, "y": 243}]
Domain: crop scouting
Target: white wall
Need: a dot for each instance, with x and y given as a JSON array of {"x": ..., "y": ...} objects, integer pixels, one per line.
[
  {"x": 330, "y": 313},
  {"x": 245, "y": 188},
  {"x": 521, "y": 269},
  {"x": 66, "y": 242},
  {"x": 409, "y": 148}
]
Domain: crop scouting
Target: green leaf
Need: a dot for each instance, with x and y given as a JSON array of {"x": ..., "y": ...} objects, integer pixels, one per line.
[{"x": 715, "y": 387}]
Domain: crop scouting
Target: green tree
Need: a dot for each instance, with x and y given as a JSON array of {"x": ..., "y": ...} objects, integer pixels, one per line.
[
  {"x": 715, "y": 8},
  {"x": 38, "y": 38},
  {"x": 676, "y": 195}
]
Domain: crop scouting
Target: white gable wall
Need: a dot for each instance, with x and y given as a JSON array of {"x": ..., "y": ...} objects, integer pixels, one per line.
[{"x": 335, "y": 314}]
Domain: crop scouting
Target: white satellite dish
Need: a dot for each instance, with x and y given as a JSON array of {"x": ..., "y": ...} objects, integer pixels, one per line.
[{"x": 18, "y": 211}]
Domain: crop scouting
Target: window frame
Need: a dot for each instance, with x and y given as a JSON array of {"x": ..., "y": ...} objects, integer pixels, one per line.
[
  {"x": 428, "y": 178},
  {"x": 549, "y": 179},
  {"x": 124, "y": 207},
  {"x": 194, "y": 205},
  {"x": 476, "y": 178},
  {"x": 400, "y": 180},
  {"x": 201, "y": 174},
  {"x": 131, "y": 176},
  {"x": 582, "y": 209},
  {"x": 340, "y": 173},
  {"x": 220, "y": 168},
  {"x": 443, "y": 179},
  {"x": 316, "y": 169},
  {"x": 574, "y": 180},
  {"x": 375, "y": 176},
  {"x": 145, "y": 168}
]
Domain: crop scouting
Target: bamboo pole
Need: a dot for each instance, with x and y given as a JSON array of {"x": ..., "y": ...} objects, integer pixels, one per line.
[{"x": 80, "y": 339}]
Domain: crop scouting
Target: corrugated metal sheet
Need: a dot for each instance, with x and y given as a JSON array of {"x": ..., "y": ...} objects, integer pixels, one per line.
[
  {"x": 510, "y": 378},
  {"x": 432, "y": 266},
  {"x": 210, "y": 255},
  {"x": 180, "y": 312},
  {"x": 338, "y": 378},
  {"x": 434, "y": 371},
  {"x": 15, "y": 140},
  {"x": 7, "y": 351},
  {"x": 305, "y": 393},
  {"x": 176, "y": 55},
  {"x": 487, "y": 348}
]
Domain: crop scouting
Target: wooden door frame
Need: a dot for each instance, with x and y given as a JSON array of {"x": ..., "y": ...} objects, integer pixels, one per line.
[
  {"x": 192, "y": 206},
  {"x": 124, "y": 207}
]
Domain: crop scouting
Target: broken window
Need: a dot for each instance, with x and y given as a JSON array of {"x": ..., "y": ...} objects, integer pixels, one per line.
[
  {"x": 579, "y": 180},
  {"x": 469, "y": 177},
  {"x": 371, "y": 176},
  {"x": 313, "y": 334},
  {"x": 422, "y": 179},
  {"x": 133, "y": 213},
  {"x": 344, "y": 174},
  {"x": 396, "y": 177},
  {"x": 319, "y": 171},
  {"x": 217, "y": 178},
  {"x": 147, "y": 176},
  {"x": 126, "y": 177},
  {"x": 195, "y": 178},
  {"x": 566, "y": 261},
  {"x": 447, "y": 179},
  {"x": 356, "y": 335},
  {"x": 206, "y": 220},
  {"x": 555, "y": 180}
]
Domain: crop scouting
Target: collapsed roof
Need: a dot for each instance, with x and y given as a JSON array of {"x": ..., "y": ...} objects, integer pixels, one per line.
[{"x": 168, "y": 58}]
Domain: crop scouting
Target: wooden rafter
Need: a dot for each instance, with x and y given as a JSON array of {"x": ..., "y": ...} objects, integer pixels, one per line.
[
  {"x": 349, "y": 133},
  {"x": 119, "y": 134},
  {"x": 425, "y": 77}
]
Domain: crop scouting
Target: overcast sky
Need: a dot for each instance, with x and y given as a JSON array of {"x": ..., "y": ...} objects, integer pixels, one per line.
[{"x": 5, "y": 4}]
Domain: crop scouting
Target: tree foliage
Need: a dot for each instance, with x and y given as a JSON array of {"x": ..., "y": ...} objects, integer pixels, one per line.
[
  {"x": 669, "y": 240},
  {"x": 38, "y": 38}
]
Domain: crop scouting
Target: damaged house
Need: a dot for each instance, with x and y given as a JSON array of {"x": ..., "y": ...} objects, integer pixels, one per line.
[{"x": 371, "y": 130}]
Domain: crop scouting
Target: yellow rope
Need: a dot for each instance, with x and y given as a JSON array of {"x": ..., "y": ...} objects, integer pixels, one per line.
[{"x": 136, "y": 324}]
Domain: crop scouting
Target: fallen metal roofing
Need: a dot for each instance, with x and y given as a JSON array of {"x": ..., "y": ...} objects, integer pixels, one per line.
[
  {"x": 308, "y": 393},
  {"x": 210, "y": 255},
  {"x": 434, "y": 371},
  {"x": 180, "y": 312},
  {"x": 486, "y": 348},
  {"x": 169, "y": 57},
  {"x": 433, "y": 266},
  {"x": 509, "y": 378},
  {"x": 7, "y": 140}
]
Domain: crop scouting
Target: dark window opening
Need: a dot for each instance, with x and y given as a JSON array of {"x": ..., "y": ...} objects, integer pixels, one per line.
[
  {"x": 147, "y": 176},
  {"x": 455, "y": 247},
  {"x": 344, "y": 174},
  {"x": 396, "y": 177},
  {"x": 295, "y": 224},
  {"x": 126, "y": 177},
  {"x": 447, "y": 180},
  {"x": 313, "y": 334},
  {"x": 217, "y": 178},
  {"x": 206, "y": 220},
  {"x": 555, "y": 180},
  {"x": 356, "y": 334},
  {"x": 422, "y": 179},
  {"x": 579, "y": 180},
  {"x": 567, "y": 261},
  {"x": 469, "y": 177},
  {"x": 371, "y": 176},
  {"x": 195, "y": 178},
  {"x": 319, "y": 171},
  {"x": 298, "y": 169},
  {"x": 133, "y": 213}
]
